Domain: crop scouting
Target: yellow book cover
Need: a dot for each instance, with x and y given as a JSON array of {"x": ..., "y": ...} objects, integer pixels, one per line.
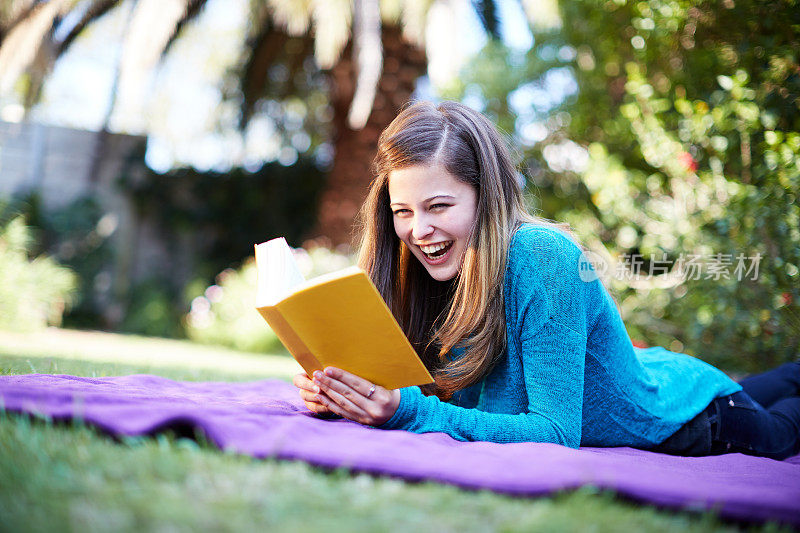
[{"x": 338, "y": 319}]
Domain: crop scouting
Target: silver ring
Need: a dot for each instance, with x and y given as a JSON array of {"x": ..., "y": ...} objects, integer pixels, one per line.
[{"x": 371, "y": 391}]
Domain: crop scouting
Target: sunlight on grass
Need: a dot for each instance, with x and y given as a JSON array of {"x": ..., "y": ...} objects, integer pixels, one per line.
[{"x": 99, "y": 347}]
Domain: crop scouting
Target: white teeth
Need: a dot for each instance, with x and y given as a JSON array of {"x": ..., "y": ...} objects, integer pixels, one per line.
[{"x": 433, "y": 248}]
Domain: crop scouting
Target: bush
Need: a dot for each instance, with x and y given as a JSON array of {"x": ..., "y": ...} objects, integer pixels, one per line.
[
  {"x": 78, "y": 235},
  {"x": 33, "y": 292},
  {"x": 676, "y": 135},
  {"x": 705, "y": 162},
  {"x": 225, "y": 314},
  {"x": 152, "y": 311}
]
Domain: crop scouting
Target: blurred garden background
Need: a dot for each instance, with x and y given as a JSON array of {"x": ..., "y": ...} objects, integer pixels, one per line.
[{"x": 146, "y": 145}]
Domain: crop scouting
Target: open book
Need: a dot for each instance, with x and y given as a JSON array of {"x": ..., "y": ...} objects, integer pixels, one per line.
[{"x": 338, "y": 319}]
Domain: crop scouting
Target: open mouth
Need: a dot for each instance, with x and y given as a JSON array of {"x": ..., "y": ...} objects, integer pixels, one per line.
[{"x": 436, "y": 251}]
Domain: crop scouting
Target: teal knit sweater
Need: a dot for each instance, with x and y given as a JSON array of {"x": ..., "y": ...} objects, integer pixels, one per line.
[{"x": 570, "y": 374}]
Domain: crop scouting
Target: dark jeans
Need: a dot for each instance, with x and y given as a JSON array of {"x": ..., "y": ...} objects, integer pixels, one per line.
[{"x": 763, "y": 419}]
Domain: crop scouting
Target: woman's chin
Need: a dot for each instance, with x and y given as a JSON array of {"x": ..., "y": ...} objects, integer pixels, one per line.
[{"x": 441, "y": 272}]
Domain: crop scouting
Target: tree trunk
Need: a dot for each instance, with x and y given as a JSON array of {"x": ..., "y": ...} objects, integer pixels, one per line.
[{"x": 351, "y": 174}]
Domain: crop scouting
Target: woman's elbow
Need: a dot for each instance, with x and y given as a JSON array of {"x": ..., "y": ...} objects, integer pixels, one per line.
[{"x": 557, "y": 433}]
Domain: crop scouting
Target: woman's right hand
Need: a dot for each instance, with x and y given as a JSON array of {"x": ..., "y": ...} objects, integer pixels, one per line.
[{"x": 309, "y": 393}]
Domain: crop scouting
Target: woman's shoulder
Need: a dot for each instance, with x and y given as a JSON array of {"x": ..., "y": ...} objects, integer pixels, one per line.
[
  {"x": 547, "y": 243},
  {"x": 543, "y": 276},
  {"x": 545, "y": 255}
]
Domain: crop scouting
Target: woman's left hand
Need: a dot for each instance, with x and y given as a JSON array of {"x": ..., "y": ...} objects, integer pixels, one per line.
[{"x": 349, "y": 396}]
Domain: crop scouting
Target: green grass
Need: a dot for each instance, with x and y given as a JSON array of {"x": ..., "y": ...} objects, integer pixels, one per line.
[
  {"x": 71, "y": 478},
  {"x": 61, "y": 351}
]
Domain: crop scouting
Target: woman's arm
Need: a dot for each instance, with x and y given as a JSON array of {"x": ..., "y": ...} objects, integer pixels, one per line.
[{"x": 553, "y": 362}]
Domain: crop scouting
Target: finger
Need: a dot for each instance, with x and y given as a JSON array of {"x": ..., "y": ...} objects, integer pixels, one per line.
[
  {"x": 302, "y": 381},
  {"x": 335, "y": 408},
  {"x": 315, "y": 406},
  {"x": 357, "y": 383},
  {"x": 313, "y": 399},
  {"x": 318, "y": 409},
  {"x": 341, "y": 395},
  {"x": 308, "y": 396},
  {"x": 312, "y": 402}
]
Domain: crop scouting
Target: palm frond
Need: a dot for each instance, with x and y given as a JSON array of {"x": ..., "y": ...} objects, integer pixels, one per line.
[
  {"x": 332, "y": 26},
  {"x": 97, "y": 9},
  {"x": 152, "y": 24},
  {"x": 368, "y": 52},
  {"x": 444, "y": 53},
  {"x": 192, "y": 11},
  {"x": 413, "y": 19},
  {"x": 489, "y": 16},
  {"x": 294, "y": 16},
  {"x": 391, "y": 11},
  {"x": 24, "y": 40},
  {"x": 12, "y": 12},
  {"x": 543, "y": 15}
]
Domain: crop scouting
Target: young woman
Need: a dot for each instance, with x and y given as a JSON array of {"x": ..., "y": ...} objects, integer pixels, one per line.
[{"x": 522, "y": 344}]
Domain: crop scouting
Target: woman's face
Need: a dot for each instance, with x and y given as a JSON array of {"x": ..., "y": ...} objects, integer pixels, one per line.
[{"x": 434, "y": 213}]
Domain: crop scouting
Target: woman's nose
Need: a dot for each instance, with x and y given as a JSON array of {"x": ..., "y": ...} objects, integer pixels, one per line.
[{"x": 422, "y": 227}]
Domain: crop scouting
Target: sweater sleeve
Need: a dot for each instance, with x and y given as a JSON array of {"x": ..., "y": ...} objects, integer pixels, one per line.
[
  {"x": 554, "y": 400},
  {"x": 546, "y": 316}
]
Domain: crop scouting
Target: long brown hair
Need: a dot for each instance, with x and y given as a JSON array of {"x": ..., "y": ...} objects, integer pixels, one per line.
[{"x": 468, "y": 311}]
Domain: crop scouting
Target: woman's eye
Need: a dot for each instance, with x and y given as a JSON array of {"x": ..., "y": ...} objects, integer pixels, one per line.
[
  {"x": 400, "y": 211},
  {"x": 439, "y": 206}
]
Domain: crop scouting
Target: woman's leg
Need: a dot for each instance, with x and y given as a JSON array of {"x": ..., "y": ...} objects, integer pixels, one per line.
[
  {"x": 774, "y": 385},
  {"x": 741, "y": 425}
]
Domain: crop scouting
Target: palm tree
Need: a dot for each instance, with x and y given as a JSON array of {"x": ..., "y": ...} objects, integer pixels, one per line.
[{"x": 372, "y": 53}]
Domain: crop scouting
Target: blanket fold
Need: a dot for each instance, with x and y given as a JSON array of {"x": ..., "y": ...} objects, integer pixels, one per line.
[{"x": 268, "y": 419}]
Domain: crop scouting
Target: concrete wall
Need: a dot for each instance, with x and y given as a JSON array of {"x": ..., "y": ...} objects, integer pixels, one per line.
[
  {"x": 62, "y": 166},
  {"x": 58, "y": 162}
]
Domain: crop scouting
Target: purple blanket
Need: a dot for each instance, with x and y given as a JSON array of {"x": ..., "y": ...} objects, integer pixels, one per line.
[{"x": 267, "y": 419}]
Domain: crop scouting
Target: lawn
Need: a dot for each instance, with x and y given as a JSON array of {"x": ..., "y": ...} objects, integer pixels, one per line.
[{"x": 71, "y": 478}]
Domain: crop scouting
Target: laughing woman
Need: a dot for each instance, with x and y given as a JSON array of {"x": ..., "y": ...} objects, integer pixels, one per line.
[{"x": 524, "y": 346}]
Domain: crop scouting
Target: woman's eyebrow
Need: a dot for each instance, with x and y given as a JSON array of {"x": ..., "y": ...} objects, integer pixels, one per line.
[
  {"x": 441, "y": 196},
  {"x": 450, "y": 196}
]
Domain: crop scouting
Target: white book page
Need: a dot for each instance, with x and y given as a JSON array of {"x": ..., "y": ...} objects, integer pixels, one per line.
[
  {"x": 324, "y": 278},
  {"x": 278, "y": 273}
]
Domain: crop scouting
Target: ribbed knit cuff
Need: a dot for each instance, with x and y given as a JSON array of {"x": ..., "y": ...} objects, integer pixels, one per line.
[{"x": 405, "y": 409}]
